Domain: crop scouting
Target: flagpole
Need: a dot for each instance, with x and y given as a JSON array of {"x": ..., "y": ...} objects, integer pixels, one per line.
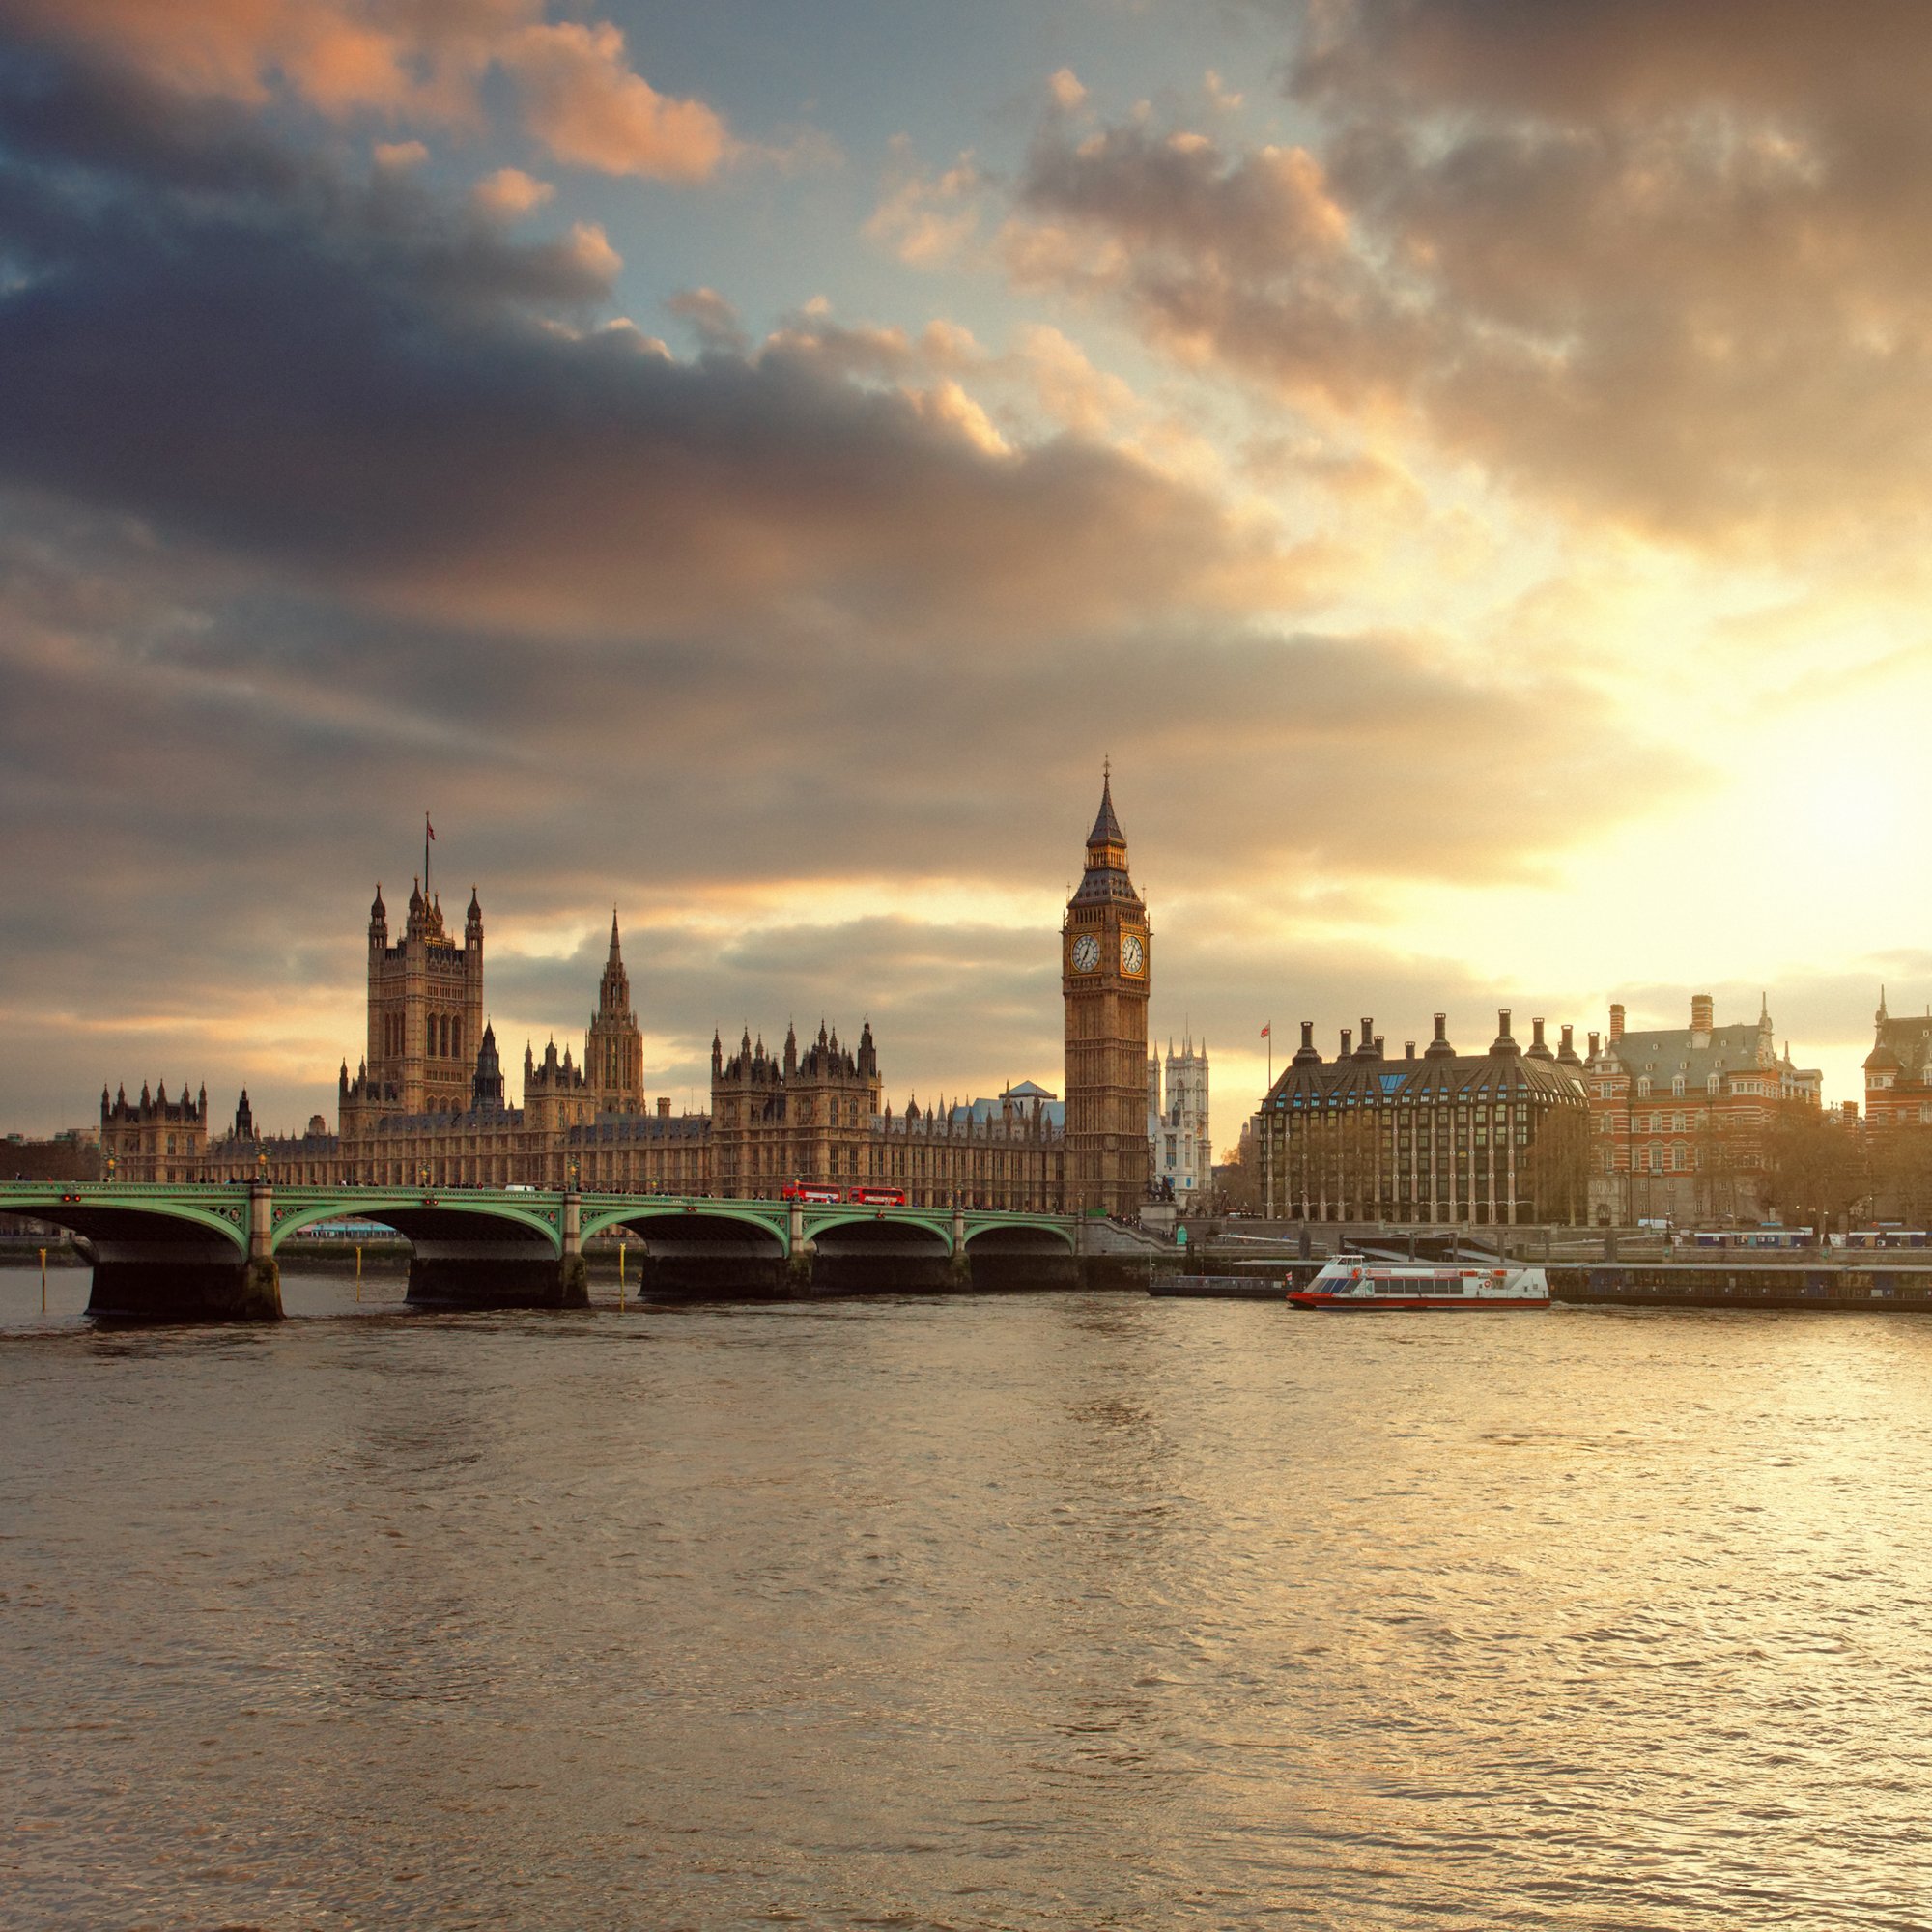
[{"x": 425, "y": 856}]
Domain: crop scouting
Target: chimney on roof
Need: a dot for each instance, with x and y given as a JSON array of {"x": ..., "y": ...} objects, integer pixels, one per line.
[
  {"x": 1409, "y": 1049},
  {"x": 1348, "y": 1044},
  {"x": 1596, "y": 1045},
  {"x": 1701, "y": 1011},
  {"x": 1378, "y": 1046},
  {"x": 664, "y": 1106},
  {"x": 1439, "y": 1047},
  {"x": 1616, "y": 1024}
]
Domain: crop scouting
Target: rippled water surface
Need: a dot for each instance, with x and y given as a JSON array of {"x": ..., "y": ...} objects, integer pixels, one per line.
[{"x": 1066, "y": 1611}]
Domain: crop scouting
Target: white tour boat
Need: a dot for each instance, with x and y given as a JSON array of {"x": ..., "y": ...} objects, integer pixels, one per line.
[{"x": 1351, "y": 1282}]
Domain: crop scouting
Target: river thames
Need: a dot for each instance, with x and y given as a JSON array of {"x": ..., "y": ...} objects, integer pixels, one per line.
[{"x": 1058, "y": 1611}]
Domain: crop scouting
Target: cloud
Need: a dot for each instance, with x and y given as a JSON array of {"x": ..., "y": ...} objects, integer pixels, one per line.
[
  {"x": 579, "y": 94},
  {"x": 926, "y": 219},
  {"x": 586, "y": 105},
  {"x": 711, "y": 319},
  {"x": 510, "y": 193},
  {"x": 340, "y": 57},
  {"x": 465, "y": 457},
  {"x": 798, "y": 817},
  {"x": 323, "y": 497},
  {"x": 1648, "y": 265}
]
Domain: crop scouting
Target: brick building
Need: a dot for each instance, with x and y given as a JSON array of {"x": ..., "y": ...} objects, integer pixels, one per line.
[
  {"x": 1679, "y": 1116},
  {"x": 1898, "y": 1070}
]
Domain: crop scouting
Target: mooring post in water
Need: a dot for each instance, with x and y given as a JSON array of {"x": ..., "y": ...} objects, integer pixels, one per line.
[{"x": 43, "y": 1281}]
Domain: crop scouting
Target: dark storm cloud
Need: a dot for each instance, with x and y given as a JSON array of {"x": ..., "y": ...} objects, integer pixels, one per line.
[{"x": 1664, "y": 265}]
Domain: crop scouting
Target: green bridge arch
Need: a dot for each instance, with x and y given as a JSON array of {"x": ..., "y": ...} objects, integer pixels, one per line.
[
  {"x": 85, "y": 1204},
  {"x": 659, "y": 1208},
  {"x": 383, "y": 1205},
  {"x": 1021, "y": 1224},
  {"x": 892, "y": 1217}
]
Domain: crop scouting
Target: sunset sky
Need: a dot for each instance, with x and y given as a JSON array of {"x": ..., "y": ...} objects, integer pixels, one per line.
[{"x": 1464, "y": 461}]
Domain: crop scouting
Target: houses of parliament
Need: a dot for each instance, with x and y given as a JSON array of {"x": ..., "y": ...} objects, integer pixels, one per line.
[{"x": 427, "y": 1105}]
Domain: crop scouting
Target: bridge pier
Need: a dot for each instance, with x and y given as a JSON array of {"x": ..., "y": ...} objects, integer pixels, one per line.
[
  {"x": 262, "y": 1276},
  {"x": 148, "y": 1271},
  {"x": 573, "y": 1272},
  {"x": 460, "y": 1260}
]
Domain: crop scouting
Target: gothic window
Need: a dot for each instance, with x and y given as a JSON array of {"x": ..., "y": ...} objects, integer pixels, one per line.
[{"x": 456, "y": 1038}]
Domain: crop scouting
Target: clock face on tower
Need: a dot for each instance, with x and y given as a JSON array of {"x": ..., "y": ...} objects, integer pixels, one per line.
[
  {"x": 1133, "y": 955},
  {"x": 1086, "y": 953}
]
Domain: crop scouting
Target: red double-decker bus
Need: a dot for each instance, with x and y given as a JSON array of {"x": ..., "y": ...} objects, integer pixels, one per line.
[
  {"x": 878, "y": 1197},
  {"x": 809, "y": 1190}
]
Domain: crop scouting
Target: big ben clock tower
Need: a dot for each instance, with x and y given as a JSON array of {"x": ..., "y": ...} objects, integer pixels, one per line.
[{"x": 1106, "y": 963}]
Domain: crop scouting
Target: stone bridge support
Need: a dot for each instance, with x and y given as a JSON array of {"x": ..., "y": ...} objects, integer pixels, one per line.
[
  {"x": 153, "y": 1267},
  {"x": 465, "y": 1260},
  {"x": 573, "y": 1272},
  {"x": 868, "y": 1252},
  {"x": 691, "y": 1253},
  {"x": 1015, "y": 1260}
]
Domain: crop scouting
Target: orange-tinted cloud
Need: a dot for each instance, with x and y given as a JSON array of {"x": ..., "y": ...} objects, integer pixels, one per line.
[
  {"x": 509, "y": 192},
  {"x": 1658, "y": 266},
  {"x": 339, "y": 56},
  {"x": 580, "y": 96},
  {"x": 584, "y": 104}
]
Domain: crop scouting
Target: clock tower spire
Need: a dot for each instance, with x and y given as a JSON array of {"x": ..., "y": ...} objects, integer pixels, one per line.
[{"x": 1106, "y": 967}]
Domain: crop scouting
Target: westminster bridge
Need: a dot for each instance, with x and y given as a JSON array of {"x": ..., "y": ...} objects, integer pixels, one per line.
[{"x": 210, "y": 1252}]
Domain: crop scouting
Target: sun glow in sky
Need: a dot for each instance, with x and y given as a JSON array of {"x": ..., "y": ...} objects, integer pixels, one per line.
[{"x": 750, "y": 464}]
